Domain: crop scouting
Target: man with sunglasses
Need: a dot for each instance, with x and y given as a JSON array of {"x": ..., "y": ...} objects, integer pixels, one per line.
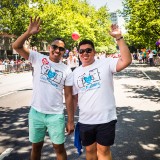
[
  {"x": 50, "y": 77},
  {"x": 94, "y": 93}
]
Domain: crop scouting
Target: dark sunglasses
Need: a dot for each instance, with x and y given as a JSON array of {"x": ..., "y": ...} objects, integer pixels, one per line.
[
  {"x": 87, "y": 50},
  {"x": 61, "y": 49}
]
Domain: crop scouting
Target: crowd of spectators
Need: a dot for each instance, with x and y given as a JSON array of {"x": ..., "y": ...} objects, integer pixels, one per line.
[
  {"x": 11, "y": 65},
  {"x": 151, "y": 57}
]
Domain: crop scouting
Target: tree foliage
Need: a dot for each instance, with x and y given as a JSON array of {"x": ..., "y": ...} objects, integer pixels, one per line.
[
  {"x": 60, "y": 18},
  {"x": 143, "y": 17}
]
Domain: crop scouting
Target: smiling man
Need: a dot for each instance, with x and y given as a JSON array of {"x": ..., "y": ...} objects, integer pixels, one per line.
[
  {"x": 94, "y": 92},
  {"x": 50, "y": 77}
]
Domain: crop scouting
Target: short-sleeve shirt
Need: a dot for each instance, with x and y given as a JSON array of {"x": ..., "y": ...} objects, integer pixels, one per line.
[
  {"x": 49, "y": 79},
  {"x": 94, "y": 86}
]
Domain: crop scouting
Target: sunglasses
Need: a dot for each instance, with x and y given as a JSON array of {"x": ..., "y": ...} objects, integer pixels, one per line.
[
  {"x": 87, "y": 50},
  {"x": 61, "y": 49}
]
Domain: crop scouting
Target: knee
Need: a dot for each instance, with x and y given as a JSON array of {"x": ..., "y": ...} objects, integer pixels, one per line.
[
  {"x": 103, "y": 150},
  {"x": 59, "y": 148},
  {"x": 91, "y": 149},
  {"x": 37, "y": 147}
]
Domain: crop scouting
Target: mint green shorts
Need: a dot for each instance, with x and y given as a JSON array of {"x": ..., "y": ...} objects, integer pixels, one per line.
[{"x": 40, "y": 123}]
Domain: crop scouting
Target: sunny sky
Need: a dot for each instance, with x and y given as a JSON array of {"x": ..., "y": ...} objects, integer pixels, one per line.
[{"x": 113, "y": 5}]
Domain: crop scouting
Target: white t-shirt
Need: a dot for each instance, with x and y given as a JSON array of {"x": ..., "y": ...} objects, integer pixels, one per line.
[
  {"x": 72, "y": 63},
  {"x": 150, "y": 55},
  {"x": 94, "y": 86},
  {"x": 49, "y": 79}
]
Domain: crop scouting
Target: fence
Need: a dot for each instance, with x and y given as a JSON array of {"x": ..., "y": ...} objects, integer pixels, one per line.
[{"x": 8, "y": 68}]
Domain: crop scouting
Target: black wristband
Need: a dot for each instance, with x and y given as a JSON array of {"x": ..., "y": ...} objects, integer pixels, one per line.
[{"x": 119, "y": 38}]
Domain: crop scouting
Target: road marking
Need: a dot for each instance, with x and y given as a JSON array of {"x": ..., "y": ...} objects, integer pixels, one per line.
[
  {"x": 151, "y": 80},
  {"x": 7, "y": 94},
  {"x": 6, "y": 153}
]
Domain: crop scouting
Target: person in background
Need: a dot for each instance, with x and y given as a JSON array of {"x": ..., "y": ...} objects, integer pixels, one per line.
[
  {"x": 150, "y": 56},
  {"x": 144, "y": 57},
  {"x": 72, "y": 61},
  {"x": 50, "y": 77},
  {"x": 140, "y": 57},
  {"x": 93, "y": 90}
]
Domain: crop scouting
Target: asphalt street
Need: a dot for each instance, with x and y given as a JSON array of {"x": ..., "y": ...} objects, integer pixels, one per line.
[{"x": 137, "y": 92}]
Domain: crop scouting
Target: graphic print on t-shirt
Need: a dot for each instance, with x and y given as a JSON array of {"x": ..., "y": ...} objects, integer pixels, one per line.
[
  {"x": 89, "y": 81},
  {"x": 48, "y": 74}
]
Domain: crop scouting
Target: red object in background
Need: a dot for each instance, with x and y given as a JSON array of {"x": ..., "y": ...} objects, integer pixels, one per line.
[{"x": 75, "y": 36}]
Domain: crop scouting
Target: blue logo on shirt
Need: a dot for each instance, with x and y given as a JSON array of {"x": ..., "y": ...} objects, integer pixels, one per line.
[
  {"x": 51, "y": 74},
  {"x": 88, "y": 79}
]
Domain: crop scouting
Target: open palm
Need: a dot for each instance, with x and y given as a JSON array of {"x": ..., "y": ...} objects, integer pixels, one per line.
[
  {"x": 34, "y": 26},
  {"x": 115, "y": 31}
]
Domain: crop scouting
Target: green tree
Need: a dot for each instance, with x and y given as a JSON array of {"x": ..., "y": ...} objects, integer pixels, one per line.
[
  {"x": 143, "y": 17},
  {"x": 60, "y": 18}
]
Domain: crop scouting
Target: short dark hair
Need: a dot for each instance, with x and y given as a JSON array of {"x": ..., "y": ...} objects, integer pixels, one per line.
[
  {"x": 86, "y": 41},
  {"x": 60, "y": 39}
]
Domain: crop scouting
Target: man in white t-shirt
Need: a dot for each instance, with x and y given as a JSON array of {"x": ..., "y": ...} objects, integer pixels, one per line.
[
  {"x": 94, "y": 92},
  {"x": 150, "y": 56},
  {"x": 50, "y": 77}
]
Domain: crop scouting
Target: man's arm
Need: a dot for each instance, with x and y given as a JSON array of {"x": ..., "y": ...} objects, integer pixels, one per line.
[
  {"x": 70, "y": 109},
  {"x": 75, "y": 102},
  {"x": 18, "y": 45},
  {"x": 126, "y": 58}
]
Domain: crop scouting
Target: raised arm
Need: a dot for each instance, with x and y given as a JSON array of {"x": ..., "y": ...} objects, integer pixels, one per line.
[
  {"x": 125, "y": 58},
  {"x": 18, "y": 45}
]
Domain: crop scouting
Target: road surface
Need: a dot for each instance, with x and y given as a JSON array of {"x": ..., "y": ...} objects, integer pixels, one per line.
[{"x": 138, "y": 110}]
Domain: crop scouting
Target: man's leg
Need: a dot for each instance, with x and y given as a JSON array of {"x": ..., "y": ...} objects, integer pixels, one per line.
[
  {"x": 56, "y": 131},
  {"x": 37, "y": 131},
  {"x": 60, "y": 151},
  {"x": 103, "y": 152},
  {"x": 105, "y": 138},
  {"x": 91, "y": 152},
  {"x": 36, "y": 151}
]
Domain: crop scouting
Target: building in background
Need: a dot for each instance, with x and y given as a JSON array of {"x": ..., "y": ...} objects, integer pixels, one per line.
[
  {"x": 5, "y": 46},
  {"x": 114, "y": 17}
]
